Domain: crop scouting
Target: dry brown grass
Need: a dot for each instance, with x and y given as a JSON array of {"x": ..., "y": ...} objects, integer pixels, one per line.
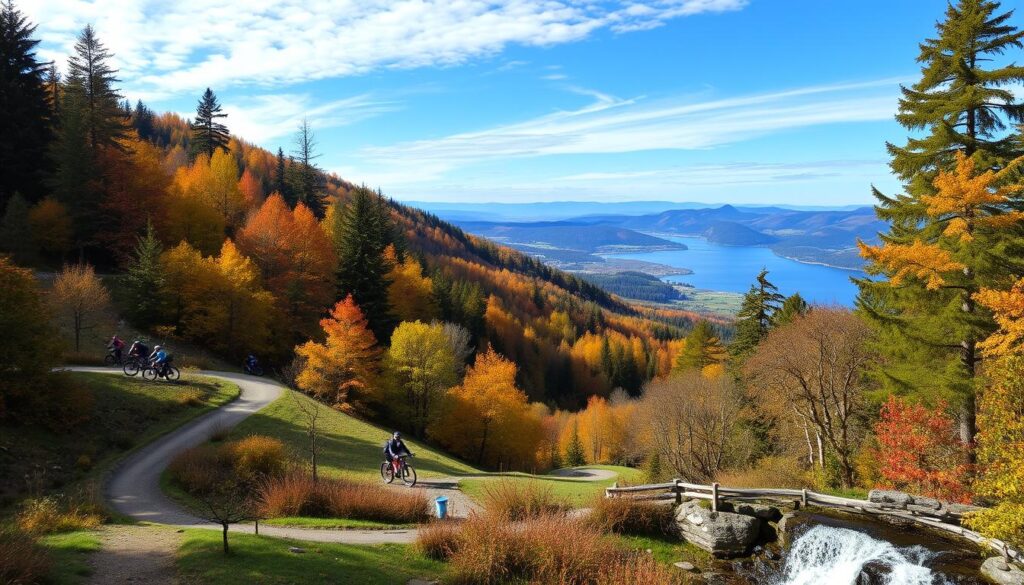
[
  {"x": 629, "y": 516},
  {"x": 295, "y": 494},
  {"x": 253, "y": 458},
  {"x": 22, "y": 561},
  {"x": 257, "y": 455},
  {"x": 544, "y": 549},
  {"x": 514, "y": 501},
  {"x": 50, "y": 514},
  {"x": 189, "y": 397},
  {"x": 775, "y": 472}
]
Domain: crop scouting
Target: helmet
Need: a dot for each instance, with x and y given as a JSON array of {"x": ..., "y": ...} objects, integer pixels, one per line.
[
  {"x": 158, "y": 348},
  {"x": 397, "y": 435}
]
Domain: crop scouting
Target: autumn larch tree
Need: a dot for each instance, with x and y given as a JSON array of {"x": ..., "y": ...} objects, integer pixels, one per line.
[
  {"x": 755, "y": 316},
  {"x": 703, "y": 348},
  {"x": 344, "y": 369},
  {"x": 960, "y": 109},
  {"x": 79, "y": 300},
  {"x": 208, "y": 135},
  {"x": 26, "y": 118}
]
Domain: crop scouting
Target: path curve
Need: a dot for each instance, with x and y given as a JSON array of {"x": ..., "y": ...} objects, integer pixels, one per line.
[
  {"x": 133, "y": 488},
  {"x": 584, "y": 473}
]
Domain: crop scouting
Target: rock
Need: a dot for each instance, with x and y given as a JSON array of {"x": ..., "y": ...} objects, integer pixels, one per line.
[
  {"x": 893, "y": 497},
  {"x": 297, "y": 550},
  {"x": 762, "y": 511},
  {"x": 926, "y": 503},
  {"x": 685, "y": 566},
  {"x": 1001, "y": 572},
  {"x": 782, "y": 526},
  {"x": 723, "y": 534},
  {"x": 961, "y": 509},
  {"x": 714, "y": 578}
]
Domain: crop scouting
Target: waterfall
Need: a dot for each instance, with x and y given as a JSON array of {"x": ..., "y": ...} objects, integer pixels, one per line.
[{"x": 838, "y": 556}]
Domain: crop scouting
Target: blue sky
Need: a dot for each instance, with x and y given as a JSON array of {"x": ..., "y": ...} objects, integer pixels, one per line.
[{"x": 718, "y": 101}]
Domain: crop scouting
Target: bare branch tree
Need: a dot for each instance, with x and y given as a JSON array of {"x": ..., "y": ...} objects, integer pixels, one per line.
[{"x": 311, "y": 410}]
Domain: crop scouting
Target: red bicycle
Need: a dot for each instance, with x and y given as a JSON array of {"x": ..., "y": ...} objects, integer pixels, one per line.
[{"x": 398, "y": 468}]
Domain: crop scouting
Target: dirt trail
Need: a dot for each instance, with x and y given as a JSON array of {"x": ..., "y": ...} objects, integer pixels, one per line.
[{"x": 135, "y": 554}]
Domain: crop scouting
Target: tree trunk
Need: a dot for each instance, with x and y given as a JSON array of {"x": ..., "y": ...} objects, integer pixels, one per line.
[
  {"x": 821, "y": 451},
  {"x": 483, "y": 444},
  {"x": 225, "y": 524}
]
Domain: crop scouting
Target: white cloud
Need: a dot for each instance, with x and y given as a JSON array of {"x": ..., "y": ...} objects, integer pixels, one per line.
[
  {"x": 165, "y": 48},
  {"x": 268, "y": 116},
  {"x": 613, "y": 125},
  {"x": 737, "y": 173}
]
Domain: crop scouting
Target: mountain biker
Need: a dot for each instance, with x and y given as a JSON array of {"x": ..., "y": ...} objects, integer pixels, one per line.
[
  {"x": 138, "y": 350},
  {"x": 160, "y": 359},
  {"x": 251, "y": 362},
  {"x": 395, "y": 448},
  {"x": 117, "y": 346}
]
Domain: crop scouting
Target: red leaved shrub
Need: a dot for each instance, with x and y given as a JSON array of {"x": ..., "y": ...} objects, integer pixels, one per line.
[{"x": 297, "y": 494}]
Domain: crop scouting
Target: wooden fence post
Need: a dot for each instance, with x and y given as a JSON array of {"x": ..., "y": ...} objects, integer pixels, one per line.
[
  {"x": 714, "y": 497},
  {"x": 678, "y": 490},
  {"x": 803, "y": 497}
]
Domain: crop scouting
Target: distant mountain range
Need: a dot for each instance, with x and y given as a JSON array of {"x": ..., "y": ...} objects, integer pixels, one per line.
[{"x": 816, "y": 235}]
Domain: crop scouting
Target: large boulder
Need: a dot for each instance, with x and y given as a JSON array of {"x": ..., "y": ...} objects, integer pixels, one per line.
[
  {"x": 891, "y": 497},
  {"x": 723, "y": 534},
  {"x": 1001, "y": 572}
]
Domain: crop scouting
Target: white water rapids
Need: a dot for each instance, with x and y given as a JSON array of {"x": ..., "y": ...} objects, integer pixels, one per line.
[{"x": 837, "y": 556}]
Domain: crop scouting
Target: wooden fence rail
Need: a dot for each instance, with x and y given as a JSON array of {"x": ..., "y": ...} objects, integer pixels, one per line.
[{"x": 679, "y": 490}]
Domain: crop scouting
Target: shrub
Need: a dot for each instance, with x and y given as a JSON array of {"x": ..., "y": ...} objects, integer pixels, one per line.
[
  {"x": 517, "y": 500},
  {"x": 629, "y": 516},
  {"x": 258, "y": 456},
  {"x": 439, "y": 540},
  {"x": 190, "y": 397},
  {"x": 546, "y": 549},
  {"x": 22, "y": 561},
  {"x": 197, "y": 469},
  {"x": 296, "y": 494},
  {"x": 51, "y": 514}
]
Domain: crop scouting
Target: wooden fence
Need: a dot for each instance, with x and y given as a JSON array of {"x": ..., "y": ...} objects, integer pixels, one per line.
[{"x": 942, "y": 518}]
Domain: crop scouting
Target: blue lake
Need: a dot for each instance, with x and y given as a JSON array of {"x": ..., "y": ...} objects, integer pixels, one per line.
[{"x": 733, "y": 269}]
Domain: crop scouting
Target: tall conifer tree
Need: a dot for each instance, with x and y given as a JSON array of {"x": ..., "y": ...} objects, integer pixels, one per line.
[
  {"x": 754, "y": 319},
  {"x": 207, "y": 133},
  {"x": 91, "y": 77},
  {"x": 961, "y": 107},
  {"x": 144, "y": 279},
  {"x": 26, "y": 116},
  {"x": 306, "y": 180}
]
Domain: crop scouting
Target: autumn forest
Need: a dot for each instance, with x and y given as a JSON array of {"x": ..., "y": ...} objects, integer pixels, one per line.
[{"x": 195, "y": 237}]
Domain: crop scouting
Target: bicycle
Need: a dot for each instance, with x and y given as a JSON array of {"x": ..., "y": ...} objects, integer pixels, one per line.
[
  {"x": 399, "y": 468},
  {"x": 112, "y": 359},
  {"x": 169, "y": 373},
  {"x": 133, "y": 365}
]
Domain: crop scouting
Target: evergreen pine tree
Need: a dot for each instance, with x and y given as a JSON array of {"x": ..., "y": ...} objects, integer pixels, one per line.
[
  {"x": 556, "y": 456},
  {"x": 207, "y": 133},
  {"x": 754, "y": 319},
  {"x": 574, "y": 456},
  {"x": 143, "y": 120},
  {"x": 961, "y": 104},
  {"x": 306, "y": 180},
  {"x": 703, "y": 348},
  {"x": 15, "y": 233},
  {"x": 92, "y": 79},
  {"x": 792, "y": 307},
  {"x": 26, "y": 123},
  {"x": 144, "y": 279},
  {"x": 362, "y": 232},
  {"x": 652, "y": 468},
  {"x": 280, "y": 181}
]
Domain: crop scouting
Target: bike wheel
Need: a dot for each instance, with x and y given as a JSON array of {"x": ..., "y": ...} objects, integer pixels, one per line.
[
  {"x": 409, "y": 476},
  {"x": 109, "y": 360},
  {"x": 149, "y": 374},
  {"x": 173, "y": 374},
  {"x": 387, "y": 473},
  {"x": 131, "y": 368}
]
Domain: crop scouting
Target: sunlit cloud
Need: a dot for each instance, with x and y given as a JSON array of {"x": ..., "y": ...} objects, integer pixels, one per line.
[{"x": 168, "y": 48}]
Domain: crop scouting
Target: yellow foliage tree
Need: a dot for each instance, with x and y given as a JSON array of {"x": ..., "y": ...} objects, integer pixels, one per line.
[
  {"x": 344, "y": 369},
  {"x": 410, "y": 294},
  {"x": 421, "y": 365},
  {"x": 488, "y": 419},
  {"x": 50, "y": 223},
  {"x": 79, "y": 300}
]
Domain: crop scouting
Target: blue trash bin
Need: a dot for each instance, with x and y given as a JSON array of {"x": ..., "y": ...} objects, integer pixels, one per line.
[{"x": 442, "y": 507}]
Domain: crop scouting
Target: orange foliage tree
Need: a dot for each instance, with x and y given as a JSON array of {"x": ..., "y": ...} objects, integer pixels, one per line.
[
  {"x": 487, "y": 418},
  {"x": 919, "y": 451},
  {"x": 344, "y": 369}
]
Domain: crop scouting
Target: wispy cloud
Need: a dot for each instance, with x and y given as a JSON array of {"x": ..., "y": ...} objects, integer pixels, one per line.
[
  {"x": 737, "y": 173},
  {"x": 164, "y": 48},
  {"x": 264, "y": 117},
  {"x": 614, "y": 125}
]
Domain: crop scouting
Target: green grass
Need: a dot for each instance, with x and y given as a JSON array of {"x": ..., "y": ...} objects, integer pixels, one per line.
[
  {"x": 668, "y": 550},
  {"x": 69, "y": 552},
  {"x": 265, "y": 560},
  {"x": 334, "y": 523},
  {"x": 576, "y": 492},
  {"x": 124, "y": 414},
  {"x": 349, "y": 447}
]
